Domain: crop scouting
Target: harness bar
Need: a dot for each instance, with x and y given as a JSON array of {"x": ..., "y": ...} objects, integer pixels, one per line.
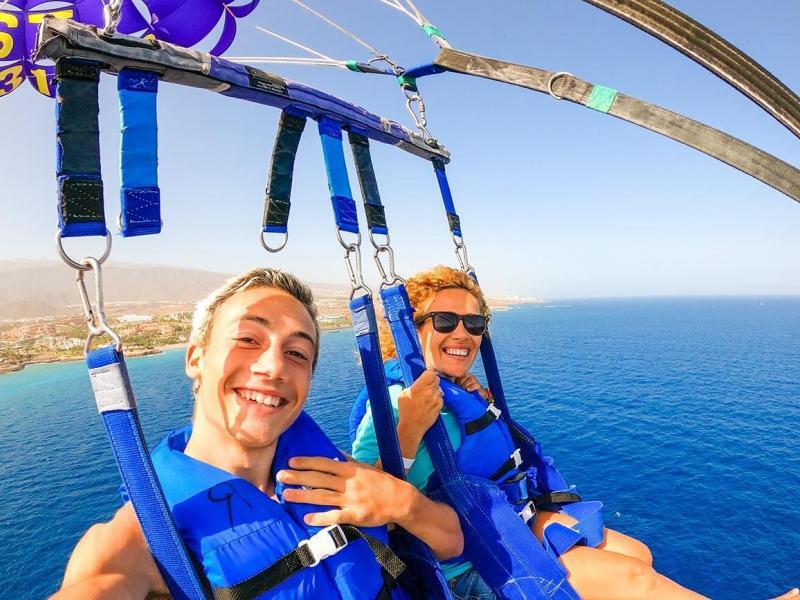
[{"x": 60, "y": 38}]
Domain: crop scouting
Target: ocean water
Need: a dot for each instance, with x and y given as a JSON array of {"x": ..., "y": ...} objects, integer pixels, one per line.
[{"x": 680, "y": 414}]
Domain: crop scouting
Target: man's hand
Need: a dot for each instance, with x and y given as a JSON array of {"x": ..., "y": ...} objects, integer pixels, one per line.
[
  {"x": 367, "y": 497},
  {"x": 470, "y": 383},
  {"x": 364, "y": 495}
]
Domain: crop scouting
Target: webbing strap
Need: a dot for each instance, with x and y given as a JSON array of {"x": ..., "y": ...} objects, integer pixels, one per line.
[
  {"x": 140, "y": 197},
  {"x": 281, "y": 170},
  {"x": 115, "y": 401},
  {"x": 302, "y": 558},
  {"x": 713, "y": 52},
  {"x": 80, "y": 184},
  {"x": 751, "y": 160},
  {"x": 365, "y": 325},
  {"x": 587, "y": 529},
  {"x": 453, "y": 220},
  {"x": 490, "y": 416},
  {"x": 344, "y": 207},
  {"x": 397, "y": 308},
  {"x": 376, "y": 217}
]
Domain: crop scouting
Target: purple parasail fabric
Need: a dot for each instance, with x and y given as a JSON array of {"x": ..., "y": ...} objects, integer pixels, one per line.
[
  {"x": 19, "y": 23},
  {"x": 187, "y": 22}
]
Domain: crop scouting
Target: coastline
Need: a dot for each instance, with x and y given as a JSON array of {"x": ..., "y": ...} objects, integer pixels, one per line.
[{"x": 133, "y": 353}]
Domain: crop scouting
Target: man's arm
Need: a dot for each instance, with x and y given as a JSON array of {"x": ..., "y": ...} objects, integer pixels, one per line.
[
  {"x": 110, "y": 561},
  {"x": 369, "y": 497}
]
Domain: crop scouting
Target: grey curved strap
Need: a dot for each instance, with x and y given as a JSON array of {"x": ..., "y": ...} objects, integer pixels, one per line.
[
  {"x": 708, "y": 49},
  {"x": 751, "y": 160}
]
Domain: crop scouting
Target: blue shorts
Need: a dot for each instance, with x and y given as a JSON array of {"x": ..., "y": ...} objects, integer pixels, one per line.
[{"x": 470, "y": 586}]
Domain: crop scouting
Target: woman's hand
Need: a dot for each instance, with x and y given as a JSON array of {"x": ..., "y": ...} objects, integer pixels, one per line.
[
  {"x": 470, "y": 383},
  {"x": 419, "y": 407}
]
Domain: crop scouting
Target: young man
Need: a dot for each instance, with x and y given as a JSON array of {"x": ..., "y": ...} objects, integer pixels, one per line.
[{"x": 252, "y": 351}]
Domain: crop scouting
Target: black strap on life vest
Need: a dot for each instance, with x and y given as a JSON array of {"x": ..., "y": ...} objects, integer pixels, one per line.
[
  {"x": 556, "y": 498},
  {"x": 302, "y": 557},
  {"x": 511, "y": 463},
  {"x": 490, "y": 416}
]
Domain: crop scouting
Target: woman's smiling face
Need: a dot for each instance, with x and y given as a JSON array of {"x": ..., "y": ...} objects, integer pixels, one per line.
[{"x": 450, "y": 354}]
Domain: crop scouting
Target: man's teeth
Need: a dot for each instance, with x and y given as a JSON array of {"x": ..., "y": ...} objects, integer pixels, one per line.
[
  {"x": 260, "y": 398},
  {"x": 456, "y": 351}
]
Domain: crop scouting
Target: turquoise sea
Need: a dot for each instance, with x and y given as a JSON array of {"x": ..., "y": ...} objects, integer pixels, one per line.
[{"x": 680, "y": 414}]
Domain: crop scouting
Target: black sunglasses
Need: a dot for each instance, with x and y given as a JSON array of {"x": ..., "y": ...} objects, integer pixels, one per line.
[{"x": 445, "y": 322}]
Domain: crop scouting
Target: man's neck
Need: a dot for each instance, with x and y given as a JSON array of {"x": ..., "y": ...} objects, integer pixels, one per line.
[{"x": 218, "y": 448}]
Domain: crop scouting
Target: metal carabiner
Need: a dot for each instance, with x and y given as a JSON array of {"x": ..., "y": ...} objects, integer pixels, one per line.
[
  {"x": 461, "y": 254},
  {"x": 111, "y": 17},
  {"x": 95, "y": 318},
  {"x": 392, "y": 277},
  {"x": 354, "y": 272}
]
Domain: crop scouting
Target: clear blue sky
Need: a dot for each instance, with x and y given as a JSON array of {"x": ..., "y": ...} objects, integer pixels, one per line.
[{"x": 555, "y": 200}]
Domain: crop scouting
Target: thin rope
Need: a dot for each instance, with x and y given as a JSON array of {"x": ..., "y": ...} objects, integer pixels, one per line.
[
  {"x": 2, "y": 6},
  {"x": 292, "y": 42},
  {"x": 337, "y": 26},
  {"x": 402, "y": 9},
  {"x": 420, "y": 16}
]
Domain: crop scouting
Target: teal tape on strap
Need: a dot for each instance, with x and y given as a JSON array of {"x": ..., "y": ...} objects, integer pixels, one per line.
[
  {"x": 431, "y": 30},
  {"x": 353, "y": 66},
  {"x": 601, "y": 98}
]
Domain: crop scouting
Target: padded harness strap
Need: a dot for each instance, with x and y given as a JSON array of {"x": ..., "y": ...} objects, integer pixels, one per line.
[
  {"x": 116, "y": 404},
  {"x": 309, "y": 553},
  {"x": 376, "y": 217}
]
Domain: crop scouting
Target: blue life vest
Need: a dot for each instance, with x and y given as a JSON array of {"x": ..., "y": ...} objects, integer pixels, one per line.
[
  {"x": 235, "y": 531},
  {"x": 499, "y": 449}
]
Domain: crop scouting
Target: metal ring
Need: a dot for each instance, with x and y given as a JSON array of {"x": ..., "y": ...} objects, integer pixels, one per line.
[
  {"x": 375, "y": 244},
  {"x": 279, "y": 248},
  {"x": 553, "y": 79},
  {"x": 344, "y": 244},
  {"x": 79, "y": 266}
]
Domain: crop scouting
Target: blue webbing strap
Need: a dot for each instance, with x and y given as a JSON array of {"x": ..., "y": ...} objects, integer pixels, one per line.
[
  {"x": 344, "y": 207},
  {"x": 140, "y": 198},
  {"x": 277, "y": 202},
  {"x": 453, "y": 221},
  {"x": 495, "y": 537},
  {"x": 80, "y": 186},
  {"x": 116, "y": 404},
  {"x": 373, "y": 209},
  {"x": 365, "y": 326}
]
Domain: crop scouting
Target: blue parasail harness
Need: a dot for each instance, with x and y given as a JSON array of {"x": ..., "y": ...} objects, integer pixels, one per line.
[{"x": 250, "y": 546}]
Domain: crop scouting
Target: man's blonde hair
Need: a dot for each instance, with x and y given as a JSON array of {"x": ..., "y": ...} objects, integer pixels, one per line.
[
  {"x": 421, "y": 287},
  {"x": 256, "y": 278}
]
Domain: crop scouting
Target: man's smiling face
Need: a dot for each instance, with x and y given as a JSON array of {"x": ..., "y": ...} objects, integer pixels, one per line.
[{"x": 254, "y": 371}]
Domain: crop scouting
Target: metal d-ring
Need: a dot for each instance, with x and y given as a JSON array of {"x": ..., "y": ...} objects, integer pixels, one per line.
[
  {"x": 553, "y": 79},
  {"x": 279, "y": 248},
  {"x": 80, "y": 266}
]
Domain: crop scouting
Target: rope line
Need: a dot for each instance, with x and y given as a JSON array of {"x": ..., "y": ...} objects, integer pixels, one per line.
[
  {"x": 337, "y": 26},
  {"x": 292, "y": 42}
]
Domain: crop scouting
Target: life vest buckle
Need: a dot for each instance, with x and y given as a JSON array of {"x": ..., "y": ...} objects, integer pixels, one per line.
[
  {"x": 496, "y": 412},
  {"x": 528, "y": 512},
  {"x": 326, "y": 542}
]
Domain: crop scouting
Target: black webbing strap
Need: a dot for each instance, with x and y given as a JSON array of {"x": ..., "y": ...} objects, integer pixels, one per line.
[
  {"x": 490, "y": 416},
  {"x": 302, "y": 558},
  {"x": 281, "y": 169},
  {"x": 751, "y": 160},
  {"x": 376, "y": 217},
  {"x": 711, "y": 51},
  {"x": 511, "y": 463},
  {"x": 556, "y": 498},
  {"x": 80, "y": 186}
]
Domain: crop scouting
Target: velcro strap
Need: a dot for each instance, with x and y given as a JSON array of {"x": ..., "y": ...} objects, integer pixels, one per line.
[
  {"x": 308, "y": 554},
  {"x": 140, "y": 211},
  {"x": 376, "y": 216},
  {"x": 490, "y": 416},
  {"x": 346, "y": 216},
  {"x": 80, "y": 202},
  {"x": 454, "y": 222},
  {"x": 512, "y": 462},
  {"x": 281, "y": 172},
  {"x": 557, "y": 498}
]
